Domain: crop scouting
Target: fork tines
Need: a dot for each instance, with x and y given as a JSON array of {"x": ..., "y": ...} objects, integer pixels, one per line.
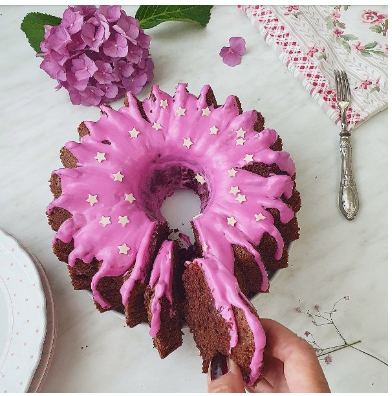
[{"x": 342, "y": 86}]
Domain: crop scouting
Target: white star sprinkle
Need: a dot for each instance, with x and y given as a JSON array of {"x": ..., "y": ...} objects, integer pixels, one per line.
[
  {"x": 123, "y": 220},
  {"x": 240, "y": 142},
  {"x": 231, "y": 221},
  {"x": 130, "y": 198},
  {"x": 214, "y": 130},
  {"x": 241, "y": 198},
  {"x": 248, "y": 158},
  {"x": 241, "y": 133},
  {"x": 92, "y": 199},
  {"x": 197, "y": 216},
  {"x": 259, "y": 217},
  {"x": 188, "y": 143},
  {"x": 157, "y": 126},
  {"x": 105, "y": 220},
  {"x": 163, "y": 104},
  {"x": 134, "y": 133},
  {"x": 200, "y": 178},
  {"x": 118, "y": 176},
  {"x": 100, "y": 157},
  {"x": 234, "y": 190},
  {"x": 169, "y": 256},
  {"x": 204, "y": 247},
  {"x": 206, "y": 112},
  {"x": 232, "y": 172},
  {"x": 123, "y": 249},
  {"x": 180, "y": 111}
]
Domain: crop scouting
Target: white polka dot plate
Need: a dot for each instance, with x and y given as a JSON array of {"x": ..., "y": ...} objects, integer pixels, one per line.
[{"x": 22, "y": 316}]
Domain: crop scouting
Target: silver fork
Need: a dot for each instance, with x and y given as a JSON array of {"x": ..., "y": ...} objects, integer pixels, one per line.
[{"x": 348, "y": 194}]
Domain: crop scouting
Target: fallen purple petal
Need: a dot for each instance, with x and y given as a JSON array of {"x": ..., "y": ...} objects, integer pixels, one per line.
[
  {"x": 237, "y": 44},
  {"x": 230, "y": 58},
  {"x": 232, "y": 55}
]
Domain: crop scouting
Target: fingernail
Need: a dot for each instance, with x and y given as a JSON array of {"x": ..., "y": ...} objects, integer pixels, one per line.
[{"x": 218, "y": 366}]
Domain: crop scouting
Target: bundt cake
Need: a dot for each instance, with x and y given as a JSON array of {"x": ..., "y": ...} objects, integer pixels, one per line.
[{"x": 111, "y": 233}]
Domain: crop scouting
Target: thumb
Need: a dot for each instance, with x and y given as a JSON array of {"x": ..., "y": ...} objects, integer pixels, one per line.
[{"x": 224, "y": 376}]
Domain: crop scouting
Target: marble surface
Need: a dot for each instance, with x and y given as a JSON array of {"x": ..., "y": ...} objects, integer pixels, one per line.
[{"x": 333, "y": 258}]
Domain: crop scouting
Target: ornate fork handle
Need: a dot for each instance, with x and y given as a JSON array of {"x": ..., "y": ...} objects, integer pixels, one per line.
[{"x": 348, "y": 194}]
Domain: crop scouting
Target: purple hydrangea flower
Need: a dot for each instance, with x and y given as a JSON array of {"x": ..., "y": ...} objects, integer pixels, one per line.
[
  {"x": 232, "y": 55},
  {"x": 116, "y": 46},
  {"x": 97, "y": 54}
]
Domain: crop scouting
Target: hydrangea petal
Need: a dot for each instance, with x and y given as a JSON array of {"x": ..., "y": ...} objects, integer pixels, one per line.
[
  {"x": 237, "y": 44},
  {"x": 229, "y": 57},
  {"x": 116, "y": 46},
  {"x": 72, "y": 21},
  {"x": 112, "y": 13},
  {"x": 232, "y": 55}
]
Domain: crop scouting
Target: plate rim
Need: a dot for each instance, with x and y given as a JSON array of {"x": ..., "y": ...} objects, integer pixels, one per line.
[
  {"x": 21, "y": 254},
  {"x": 49, "y": 345}
]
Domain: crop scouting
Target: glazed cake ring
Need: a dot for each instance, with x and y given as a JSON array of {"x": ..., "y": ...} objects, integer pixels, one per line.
[{"x": 110, "y": 231}]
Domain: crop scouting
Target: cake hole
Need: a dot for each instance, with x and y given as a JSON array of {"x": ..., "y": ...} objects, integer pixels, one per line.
[{"x": 179, "y": 209}]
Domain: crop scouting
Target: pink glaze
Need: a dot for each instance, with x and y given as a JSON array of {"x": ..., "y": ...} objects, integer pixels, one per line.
[
  {"x": 224, "y": 287},
  {"x": 161, "y": 280},
  {"x": 213, "y": 142}
]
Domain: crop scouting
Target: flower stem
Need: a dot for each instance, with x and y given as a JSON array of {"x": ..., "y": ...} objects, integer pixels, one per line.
[
  {"x": 338, "y": 348},
  {"x": 369, "y": 354}
]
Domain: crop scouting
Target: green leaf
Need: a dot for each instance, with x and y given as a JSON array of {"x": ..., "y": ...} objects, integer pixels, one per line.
[
  {"x": 152, "y": 15},
  {"x": 33, "y": 27},
  {"x": 329, "y": 22},
  {"x": 371, "y": 45},
  {"x": 345, "y": 8},
  {"x": 366, "y": 53},
  {"x": 340, "y": 25},
  {"x": 376, "y": 29},
  {"x": 346, "y": 46},
  {"x": 376, "y": 88},
  {"x": 349, "y": 37},
  {"x": 386, "y": 24},
  {"x": 382, "y": 53}
]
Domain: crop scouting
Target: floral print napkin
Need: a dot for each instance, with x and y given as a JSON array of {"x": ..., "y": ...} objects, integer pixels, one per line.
[{"x": 312, "y": 41}]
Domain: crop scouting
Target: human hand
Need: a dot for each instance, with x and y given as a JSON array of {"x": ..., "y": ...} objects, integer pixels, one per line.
[{"x": 290, "y": 365}]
